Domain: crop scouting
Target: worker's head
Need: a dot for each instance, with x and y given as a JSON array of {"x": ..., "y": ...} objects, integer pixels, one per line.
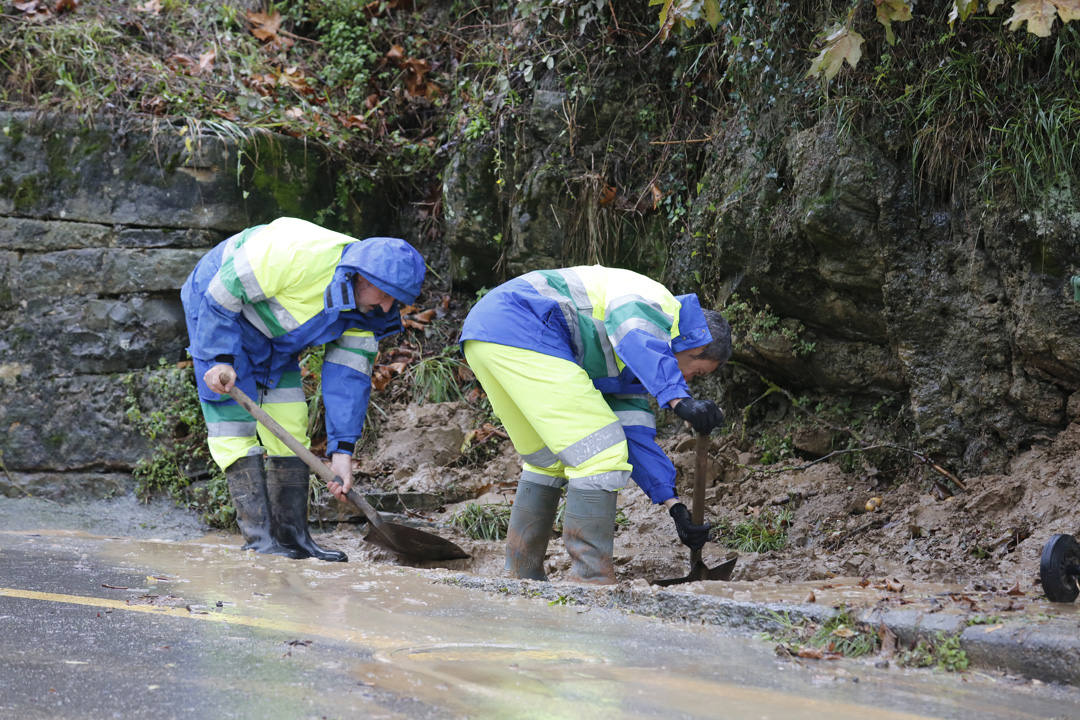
[
  {"x": 390, "y": 266},
  {"x": 369, "y": 296},
  {"x": 704, "y": 359}
]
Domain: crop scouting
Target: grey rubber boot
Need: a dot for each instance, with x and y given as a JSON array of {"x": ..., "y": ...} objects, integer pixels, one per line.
[
  {"x": 247, "y": 486},
  {"x": 589, "y": 535},
  {"x": 531, "y": 519},
  {"x": 287, "y": 485}
]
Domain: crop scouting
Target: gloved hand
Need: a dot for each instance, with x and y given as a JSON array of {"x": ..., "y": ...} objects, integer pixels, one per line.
[
  {"x": 692, "y": 536},
  {"x": 703, "y": 415}
]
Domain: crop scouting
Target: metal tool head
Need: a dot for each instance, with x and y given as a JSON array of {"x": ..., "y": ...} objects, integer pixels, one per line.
[
  {"x": 413, "y": 544},
  {"x": 700, "y": 571},
  {"x": 1059, "y": 568}
]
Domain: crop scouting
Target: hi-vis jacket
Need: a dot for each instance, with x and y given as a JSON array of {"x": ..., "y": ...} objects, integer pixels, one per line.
[
  {"x": 621, "y": 327},
  {"x": 260, "y": 297}
]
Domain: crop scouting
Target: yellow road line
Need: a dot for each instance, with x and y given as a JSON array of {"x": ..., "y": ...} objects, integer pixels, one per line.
[{"x": 285, "y": 626}]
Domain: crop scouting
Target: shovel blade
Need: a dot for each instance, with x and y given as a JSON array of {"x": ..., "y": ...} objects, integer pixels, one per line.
[
  {"x": 412, "y": 543},
  {"x": 701, "y": 571}
]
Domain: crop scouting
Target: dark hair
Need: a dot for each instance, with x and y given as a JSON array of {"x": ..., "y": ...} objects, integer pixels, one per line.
[{"x": 720, "y": 347}]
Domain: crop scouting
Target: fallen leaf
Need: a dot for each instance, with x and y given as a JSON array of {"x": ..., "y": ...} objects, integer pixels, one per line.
[
  {"x": 1067, "y": 9},
  {"x": 395, "y": 54},
  {"x": 1015, "y": 589},
  {"x": 888, "y": 640},
  {"x": 811, "y": 597},
  {"x": 890, "y": 11},
  {"x": 843, "y": 631},
  {"x": 65, "y": 6},
  {"x": 841, "y": 45},
  {"x": 115, "y": 587},
  {"x": 353, "y": 121},
  {"x": 607, "y": 194},
  {"x": 1038, "y": 14},
  {"x": 810, "y": 653},
  {"x": 265, "y": 27},
  {"x": 206, "y": 61},
  {"x": 657, "y": 195},
  {"x": 150, "y": 6}
]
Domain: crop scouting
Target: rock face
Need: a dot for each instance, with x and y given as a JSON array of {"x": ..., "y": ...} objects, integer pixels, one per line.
[
  {"x": 99, "y": 227},
  {"x": 963, "y": 314}
]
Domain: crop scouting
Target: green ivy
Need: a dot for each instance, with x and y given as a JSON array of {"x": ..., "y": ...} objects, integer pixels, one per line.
[{"x": 165, "y": 410}]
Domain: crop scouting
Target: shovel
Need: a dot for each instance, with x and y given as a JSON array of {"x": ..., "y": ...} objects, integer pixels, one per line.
[
  {"x": 698, "y": 569},
  {"x": 406, "y": 541}
]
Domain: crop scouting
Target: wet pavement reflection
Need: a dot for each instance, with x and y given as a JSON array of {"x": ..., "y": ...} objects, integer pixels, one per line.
[{"x": 95, "y": 626}]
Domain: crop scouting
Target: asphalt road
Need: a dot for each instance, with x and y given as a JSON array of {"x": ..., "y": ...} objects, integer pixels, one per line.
[{"x": 103, "y": 627}]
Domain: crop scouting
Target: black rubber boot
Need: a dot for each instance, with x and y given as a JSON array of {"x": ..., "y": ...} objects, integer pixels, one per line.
[
  {"x": 531, "y": 518},
  {"x": 287, "y": 486},
  {"x": 589, "y": 535},
  {"x": 247, "y": 485}
]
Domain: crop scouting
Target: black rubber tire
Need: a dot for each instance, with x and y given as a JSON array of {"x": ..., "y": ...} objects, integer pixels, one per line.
[{"x": 1060, "y": 559}]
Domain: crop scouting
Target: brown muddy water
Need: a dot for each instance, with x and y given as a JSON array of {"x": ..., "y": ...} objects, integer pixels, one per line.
[{"x": 308, "y": 639}]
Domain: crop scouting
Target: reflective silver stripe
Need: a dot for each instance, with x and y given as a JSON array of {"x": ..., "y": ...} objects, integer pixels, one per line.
[
  {"x": 340, "y": 356},
  {"x": 246, "y": 276},
  {"x": 610, "y": 481},
  {"x": 643, "y": 418},
  {"x": 358, "y": 342},
  {"x": 593, "y": 443},
  {"x": 618, "y": 302},
  {"x": 570, "y": 314},
  {"x": 283, "y": 395},
  {"x": 253, "y": 317},
  {"x": 639, "y": 323},
  {"x": 605, "y": 346},
  {"x": 231, "y": 429},
  {"x": 543, "y": 457},
  {"x": 223, "y": 297},
  {"x": 585, "y": 306},
  {"x": 541, "y": 479},
  {"x": 284, "y": 317}
]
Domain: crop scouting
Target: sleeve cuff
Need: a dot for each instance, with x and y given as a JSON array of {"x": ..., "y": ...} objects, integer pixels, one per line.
[
  {"x": 668, "y": 394},
  {"x": 227, "y": 359},
  {"x": 660, "y": 496},
  {"x": 340, "y": 446}
]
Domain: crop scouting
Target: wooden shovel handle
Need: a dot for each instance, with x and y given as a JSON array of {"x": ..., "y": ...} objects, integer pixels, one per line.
[
  {"x": 701, "y": 468},
  {"x": 302, "y": 452},
  {"x": 697, "y": 513}
]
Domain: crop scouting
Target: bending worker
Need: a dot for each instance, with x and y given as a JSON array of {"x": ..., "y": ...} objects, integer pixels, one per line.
[
  {"x": 252, "y": 304},
  {"x": 568, "y": 358}
]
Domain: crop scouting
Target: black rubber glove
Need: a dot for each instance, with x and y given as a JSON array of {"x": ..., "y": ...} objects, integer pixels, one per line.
[
  {"x": 703, "y": 415},
  {"x": 692, "y": 536}
]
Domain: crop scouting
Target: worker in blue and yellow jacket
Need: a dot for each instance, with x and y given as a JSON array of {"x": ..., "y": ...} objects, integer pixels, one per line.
[
  {"x": 568, "y": 359},
  {"x": 253, "y": 303}
]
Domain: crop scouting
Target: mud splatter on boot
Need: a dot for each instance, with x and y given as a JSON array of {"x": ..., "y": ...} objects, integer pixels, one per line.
[
  {"x": 531, "y": 520},
  {"x": 589, "y": 535}
]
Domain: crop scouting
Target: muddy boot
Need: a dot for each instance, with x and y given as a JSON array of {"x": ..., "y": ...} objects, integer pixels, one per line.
[
  {"x": 247, "y": 486},
  {"x": 589, "y": 535},
  {"x": 287, "y": 486},
  {"x": 531, "y": 519}
]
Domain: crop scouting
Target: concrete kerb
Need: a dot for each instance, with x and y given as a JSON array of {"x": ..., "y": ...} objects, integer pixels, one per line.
[{"x": 1043, "y": 648}]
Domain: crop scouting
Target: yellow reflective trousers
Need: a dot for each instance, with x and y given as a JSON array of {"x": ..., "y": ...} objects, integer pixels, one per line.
[{"x": 559, "y": 423}]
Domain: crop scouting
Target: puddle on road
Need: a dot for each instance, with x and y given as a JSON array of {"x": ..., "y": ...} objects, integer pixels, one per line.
[{"x": 474, "y": 653}]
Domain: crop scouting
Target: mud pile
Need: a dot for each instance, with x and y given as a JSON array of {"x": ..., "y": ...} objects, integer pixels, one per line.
[{"x": 987, "y": 535}]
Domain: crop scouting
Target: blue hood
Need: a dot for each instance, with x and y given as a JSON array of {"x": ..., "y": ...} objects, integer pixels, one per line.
[
  {"x": 390, "y": 264},
  {"x": 694, "y": 332}
]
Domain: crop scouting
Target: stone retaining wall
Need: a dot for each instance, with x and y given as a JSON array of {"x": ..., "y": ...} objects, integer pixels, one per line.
[{"x": 99, "y": 226}]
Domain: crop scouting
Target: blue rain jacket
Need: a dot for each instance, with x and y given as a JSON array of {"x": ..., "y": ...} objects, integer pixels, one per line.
[
  {"x": 621, "y": 327},
  {"x": 262, "y": 296}
]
